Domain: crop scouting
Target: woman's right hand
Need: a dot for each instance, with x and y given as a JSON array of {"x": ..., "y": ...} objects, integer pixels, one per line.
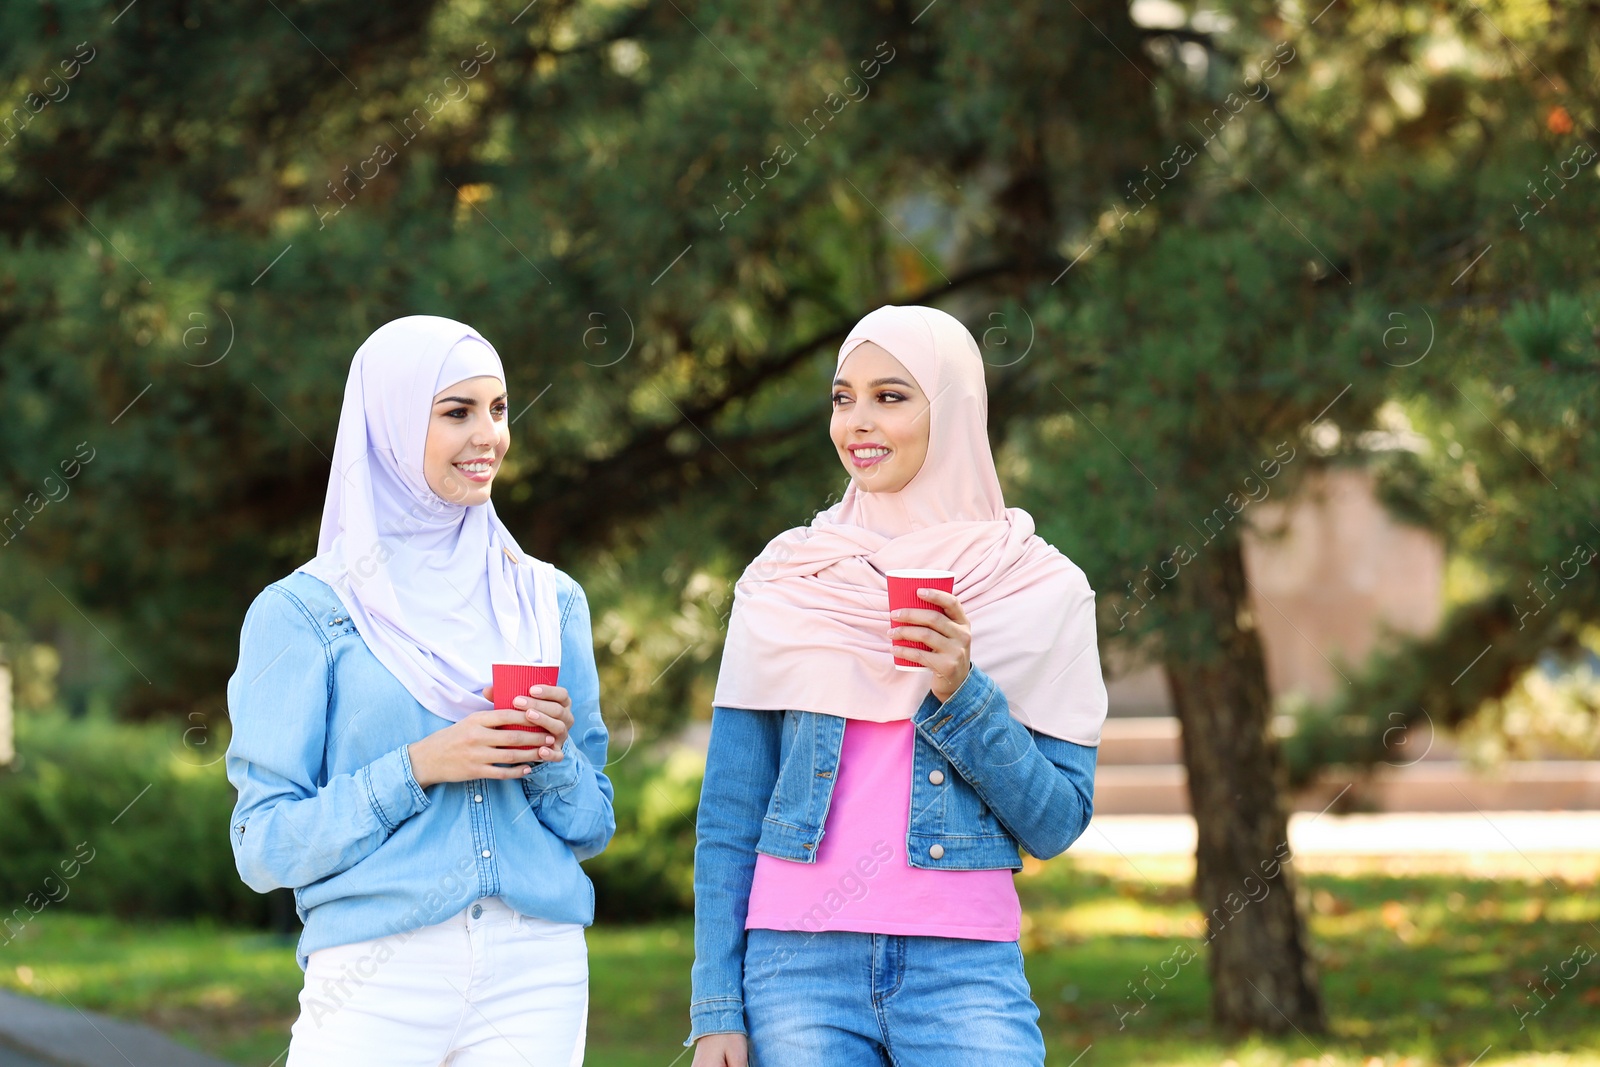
[
  {"x": 470, "y": 749},
  {"x": 721, "y": 1050}
]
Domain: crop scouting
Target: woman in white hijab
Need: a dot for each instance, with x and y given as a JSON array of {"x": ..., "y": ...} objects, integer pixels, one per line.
[{"x": 433, "y": 852}]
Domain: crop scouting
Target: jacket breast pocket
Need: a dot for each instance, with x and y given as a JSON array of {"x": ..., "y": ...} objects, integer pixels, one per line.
[{"x": 968, "y": 815}]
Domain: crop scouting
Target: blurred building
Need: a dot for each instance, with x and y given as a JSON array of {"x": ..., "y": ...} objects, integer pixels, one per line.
[{"x": 1333, "y": 573}]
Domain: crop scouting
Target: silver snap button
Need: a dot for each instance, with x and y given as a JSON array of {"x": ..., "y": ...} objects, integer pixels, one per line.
[
  {"x": 936, "y": 851},
  {"x": 486, "y": 853},
  {"x": 936, "y": 777},
  {"x": 477, "y": 911},
  {"x": 477, "y": 798}
]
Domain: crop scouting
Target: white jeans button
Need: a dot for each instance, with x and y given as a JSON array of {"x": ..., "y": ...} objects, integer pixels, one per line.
[
  {"x": 477, "y": 911},
  {"x": 936, "y": 851},
  {"x": 936, "y": 777}
]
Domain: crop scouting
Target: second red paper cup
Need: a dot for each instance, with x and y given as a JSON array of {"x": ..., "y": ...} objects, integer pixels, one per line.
[
  {"x": 513, "y": 680},
  {"x": 903, "y": 586}
]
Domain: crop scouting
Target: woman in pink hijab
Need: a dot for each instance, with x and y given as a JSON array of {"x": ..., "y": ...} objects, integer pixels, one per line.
[{"x": 859, "y": 824}]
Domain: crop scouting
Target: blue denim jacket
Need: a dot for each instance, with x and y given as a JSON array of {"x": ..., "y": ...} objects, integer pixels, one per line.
[
  {"x": 329, "y": 807},
  {"x": 981, "y": 784}
]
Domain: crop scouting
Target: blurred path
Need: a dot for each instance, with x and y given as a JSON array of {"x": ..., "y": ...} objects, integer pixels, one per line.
[
  {"x": 9, "y": 1058},
  {"x": 1389, "y": 834},
  {"x": 34, "y": 1034}
]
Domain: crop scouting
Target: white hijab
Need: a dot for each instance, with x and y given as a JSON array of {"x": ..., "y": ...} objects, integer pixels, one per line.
[{"x": 439, "y": 591}]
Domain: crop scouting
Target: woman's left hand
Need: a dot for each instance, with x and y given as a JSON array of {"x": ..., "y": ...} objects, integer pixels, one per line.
[
  {"x": 548, "y": 707},
  {"x": 947, "y": 634}
]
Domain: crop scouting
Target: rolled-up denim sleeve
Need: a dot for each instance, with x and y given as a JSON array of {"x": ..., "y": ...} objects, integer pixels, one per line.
[
  {"x": 572, "y": 797},
  {"x": 288, "y": 830},
  {"x": 1041, "y": 788}
]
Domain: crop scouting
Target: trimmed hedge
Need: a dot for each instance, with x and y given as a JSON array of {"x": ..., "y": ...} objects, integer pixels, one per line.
[{"x": 132, "y": 820}]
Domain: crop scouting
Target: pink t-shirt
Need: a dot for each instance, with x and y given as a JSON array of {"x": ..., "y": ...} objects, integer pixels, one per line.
[{"x": 861, "y": 881}]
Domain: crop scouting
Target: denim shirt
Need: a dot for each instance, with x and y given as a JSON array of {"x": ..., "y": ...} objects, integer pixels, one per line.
[
  {"x": 981, "y": 785},
  {"x": 328, "y": 804}
]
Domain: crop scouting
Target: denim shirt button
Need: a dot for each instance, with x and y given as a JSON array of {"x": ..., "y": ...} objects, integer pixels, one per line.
[
  {"x": 486, "y": 852},
  {"x": 936, "y": 777},
  {"x": 936, "y": 851},
  {"x": 477, "y": 798}
]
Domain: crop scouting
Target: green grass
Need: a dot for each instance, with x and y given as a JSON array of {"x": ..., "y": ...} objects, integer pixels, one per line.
[{"x": 1420, "y": 968}]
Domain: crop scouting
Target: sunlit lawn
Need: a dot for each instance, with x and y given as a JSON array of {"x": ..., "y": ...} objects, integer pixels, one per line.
[{"x": 1419, "y": 968}]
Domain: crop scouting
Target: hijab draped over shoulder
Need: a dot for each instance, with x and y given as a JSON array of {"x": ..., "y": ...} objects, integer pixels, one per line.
[
  {"x": 439, "y": 591},
  {"x": 810, "y": 622}
]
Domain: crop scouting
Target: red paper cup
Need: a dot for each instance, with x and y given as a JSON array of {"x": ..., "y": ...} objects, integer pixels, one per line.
[
  {"x": 903, "y": 586},
  {"x": 512, "y": 680}
]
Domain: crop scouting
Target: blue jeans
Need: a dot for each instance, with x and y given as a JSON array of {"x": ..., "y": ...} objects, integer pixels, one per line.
[{"x": 887, "y": 1000}]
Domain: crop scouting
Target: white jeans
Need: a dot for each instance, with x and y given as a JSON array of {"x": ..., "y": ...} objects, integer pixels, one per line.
[{"x": 485, "y": 988}]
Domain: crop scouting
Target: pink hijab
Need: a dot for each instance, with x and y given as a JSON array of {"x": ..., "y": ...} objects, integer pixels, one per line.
[{"x": 810, "y": 620}]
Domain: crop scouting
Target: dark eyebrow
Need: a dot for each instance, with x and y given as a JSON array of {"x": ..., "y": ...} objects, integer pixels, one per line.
[
  {"x": 467, "y": 400},
  {"x": 876, "y": 382}
]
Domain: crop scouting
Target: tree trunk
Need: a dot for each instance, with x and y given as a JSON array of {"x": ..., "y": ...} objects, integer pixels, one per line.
[{"x": 1262, "y": 974}]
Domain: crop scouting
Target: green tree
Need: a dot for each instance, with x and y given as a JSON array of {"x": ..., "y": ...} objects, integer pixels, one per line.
[
  {"x": 1296, "y": 275},
  {"x": 665, "y": 217}
]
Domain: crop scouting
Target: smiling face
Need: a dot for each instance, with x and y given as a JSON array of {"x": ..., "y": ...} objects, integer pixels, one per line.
[
  {"x": 880, "y": 420},
  {"x": 467, "y": 438}
]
